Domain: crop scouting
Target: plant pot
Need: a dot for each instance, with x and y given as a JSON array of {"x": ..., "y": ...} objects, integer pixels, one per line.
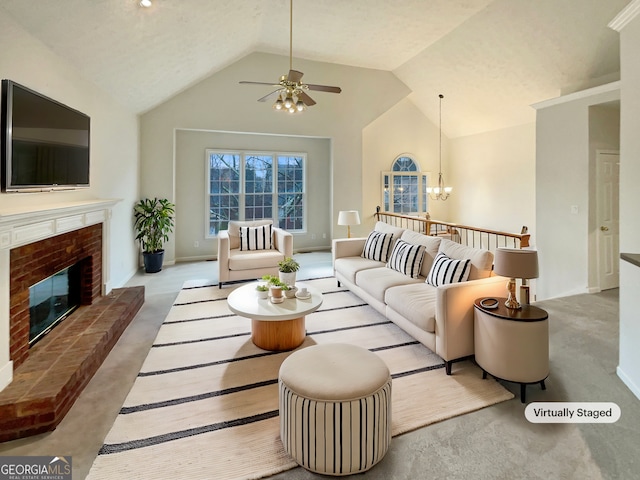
[
  {"x": 288, "y": 278},
  {"x": 291, "y": 293},
  {"x": 153, "y": 261},
  {"x": 263, "y": 293}
]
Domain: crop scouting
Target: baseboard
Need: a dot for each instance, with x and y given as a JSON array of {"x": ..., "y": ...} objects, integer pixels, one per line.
[
  {"x": 201, "y": 258},
  {"x": 635, "y": 389},
  {"x": 6, "y": 374},
  {"x": 593, "y": 290}
]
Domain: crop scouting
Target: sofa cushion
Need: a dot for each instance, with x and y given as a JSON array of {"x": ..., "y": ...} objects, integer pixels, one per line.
[
  {"x": 416, "y": 303},
  {"x": 406, "y": 258},
  {"x": 256, "y": 238},
  {"x": 386, "y": 228},
  {"x": 252, "y": 259},
  {"x": 349, "y": 266},
  {"x": 375, "y": 281},
  {"x": 234, "y": 230},
  {"x": 378, "y": 246},
  {"x": 446, "y": 270},
  {"x": 431, "y": 247},
  {"x": 481, "y": 260}
]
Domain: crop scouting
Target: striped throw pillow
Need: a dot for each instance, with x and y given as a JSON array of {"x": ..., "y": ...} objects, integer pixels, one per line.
[
  {"x": 377, "y": 246},
  {"x": 406, "y": 258},
  {"x": 446, "y": 270},
  {"x": 255, "y": 238}
]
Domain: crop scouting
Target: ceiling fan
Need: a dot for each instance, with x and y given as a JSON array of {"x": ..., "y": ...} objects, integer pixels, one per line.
[{"x": 292, "y": 93}]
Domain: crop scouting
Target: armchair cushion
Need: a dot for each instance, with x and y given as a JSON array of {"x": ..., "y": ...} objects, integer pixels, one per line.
[
  {"x": 256, "y": 238},
  {"x": 234, "y": 230}
]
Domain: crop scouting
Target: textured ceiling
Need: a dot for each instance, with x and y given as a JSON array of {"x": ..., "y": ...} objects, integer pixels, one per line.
[{"x": 490, "y": 58}]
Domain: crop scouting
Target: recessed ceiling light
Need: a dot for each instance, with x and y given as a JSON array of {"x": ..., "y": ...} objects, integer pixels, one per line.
[{"x": 145, "y": 3}]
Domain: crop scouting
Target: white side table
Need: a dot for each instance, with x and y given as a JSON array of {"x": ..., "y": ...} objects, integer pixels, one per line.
[{"x": 512, "y": 345}]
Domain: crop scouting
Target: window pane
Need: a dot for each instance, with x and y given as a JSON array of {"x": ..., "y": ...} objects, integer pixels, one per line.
[
  {"x": 404, "y": 164},
  {"x": 224, "y": 190},
  {"x": 258, "y": 171},
  {"x": 291, "y": 192},
  {"x": 405, "y": 193}
]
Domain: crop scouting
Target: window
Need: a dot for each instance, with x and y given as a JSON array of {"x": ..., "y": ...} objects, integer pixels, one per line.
[
  {"x": 404, "y": 187},
  {"x": 251, "y": 186}
]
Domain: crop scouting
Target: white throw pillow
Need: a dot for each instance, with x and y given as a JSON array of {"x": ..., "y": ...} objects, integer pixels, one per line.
[
  {"x": 446, "y": 270},
  {"x": 406, "y": 258},
  {"x": 377, "y": 246},
  {"x": 255, "y": 238}
]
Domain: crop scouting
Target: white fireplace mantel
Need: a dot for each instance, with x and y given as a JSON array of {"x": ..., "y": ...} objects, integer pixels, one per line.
[{"x": 23, "y": 225}]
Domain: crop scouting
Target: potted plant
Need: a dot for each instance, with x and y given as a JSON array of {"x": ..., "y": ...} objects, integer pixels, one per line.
[
  {"x": 263, "y": 290},
  {"x": 153, "y": 223},
  {"x": 287, "y": 269}
]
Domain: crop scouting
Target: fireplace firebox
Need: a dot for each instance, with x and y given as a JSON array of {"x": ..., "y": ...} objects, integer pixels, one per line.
[{"x": 51, "y": 300}]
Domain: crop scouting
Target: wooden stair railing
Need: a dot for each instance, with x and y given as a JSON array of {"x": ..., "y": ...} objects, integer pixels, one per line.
[{"x": 466, "y": 235}]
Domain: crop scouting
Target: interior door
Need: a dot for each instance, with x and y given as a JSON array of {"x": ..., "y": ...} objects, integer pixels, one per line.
[{"x": 607, "y": 191}]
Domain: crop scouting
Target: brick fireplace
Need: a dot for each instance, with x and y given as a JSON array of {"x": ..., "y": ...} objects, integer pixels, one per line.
[
  {"x": 39, "y": 385},
  {"x": 36, "y": 261}
]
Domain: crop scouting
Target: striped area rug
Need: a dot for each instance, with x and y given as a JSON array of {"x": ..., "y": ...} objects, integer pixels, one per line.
[{"x": 205, "y": 403}]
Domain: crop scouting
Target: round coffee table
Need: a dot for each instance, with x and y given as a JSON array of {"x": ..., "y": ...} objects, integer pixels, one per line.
[{"x": 277, "y": 327}]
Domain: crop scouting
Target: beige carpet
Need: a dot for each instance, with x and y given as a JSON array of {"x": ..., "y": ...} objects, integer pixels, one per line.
[{"x": 205, "y": 404}]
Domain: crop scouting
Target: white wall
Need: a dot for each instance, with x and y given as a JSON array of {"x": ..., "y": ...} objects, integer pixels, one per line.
[
  {"x": 114, "y": 138},
  {"x": 219, "y": 103},
  {"x": 495, "y": 177},
  {"x": 190, "y": 186},
  {"x": 564, "y": 188},
  {"x": 629, "y": 364}
]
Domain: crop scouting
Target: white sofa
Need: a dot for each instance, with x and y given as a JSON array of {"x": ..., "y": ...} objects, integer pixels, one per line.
[
  {"x": 237, "y": 264},
  {"x": 440, "y": 317}
]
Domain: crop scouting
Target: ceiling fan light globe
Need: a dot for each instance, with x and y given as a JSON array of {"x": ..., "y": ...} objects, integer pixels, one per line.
[{"x": 300, "y": 106}]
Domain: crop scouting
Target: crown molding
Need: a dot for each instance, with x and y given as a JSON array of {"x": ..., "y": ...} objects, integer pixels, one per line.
[{"x": 625, "y": 16}]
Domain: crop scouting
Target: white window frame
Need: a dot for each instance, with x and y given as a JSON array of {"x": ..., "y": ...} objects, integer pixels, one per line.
[
  {"x": 423, "y": 181},
  {"x": 243, "y": 154}
]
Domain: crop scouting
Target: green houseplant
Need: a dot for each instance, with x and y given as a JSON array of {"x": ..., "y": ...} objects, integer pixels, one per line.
[
  {"x": 153, "y": 223},
  {"x": 287, "y": 269}
]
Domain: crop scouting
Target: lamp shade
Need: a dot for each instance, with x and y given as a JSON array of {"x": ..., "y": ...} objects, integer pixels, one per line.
[
  {"x": 516, "y": 263},
  {"x": 348, "y": 217}
]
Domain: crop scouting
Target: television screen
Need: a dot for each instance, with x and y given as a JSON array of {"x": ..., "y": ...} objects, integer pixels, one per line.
[{"x": 45, "y": 144}]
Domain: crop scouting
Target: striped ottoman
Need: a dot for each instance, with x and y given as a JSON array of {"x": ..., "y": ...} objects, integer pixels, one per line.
[{"x": 335, "y": 408}]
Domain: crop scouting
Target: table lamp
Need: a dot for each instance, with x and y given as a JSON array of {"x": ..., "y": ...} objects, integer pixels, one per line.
[
  {"x": 516, "y": 263},
  {"x": 348, "y": 218}
]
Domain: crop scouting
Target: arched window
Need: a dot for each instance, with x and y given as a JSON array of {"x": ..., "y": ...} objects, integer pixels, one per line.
[{"x": 404, "y": 188}]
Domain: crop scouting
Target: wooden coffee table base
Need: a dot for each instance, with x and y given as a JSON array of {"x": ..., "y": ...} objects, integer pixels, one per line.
[{"x": 278, "y": 335}]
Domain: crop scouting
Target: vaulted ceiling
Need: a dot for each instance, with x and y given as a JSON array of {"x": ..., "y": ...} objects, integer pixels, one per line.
[{"x": 491, "y": 59}]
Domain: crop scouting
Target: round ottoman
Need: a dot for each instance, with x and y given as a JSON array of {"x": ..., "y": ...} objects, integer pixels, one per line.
[{"x": 335, "y": 408}]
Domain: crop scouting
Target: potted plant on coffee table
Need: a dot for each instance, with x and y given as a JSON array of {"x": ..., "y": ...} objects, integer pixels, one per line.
[
  {"x": 287, "y": 269},
  {"x": 153, "y": 223}
]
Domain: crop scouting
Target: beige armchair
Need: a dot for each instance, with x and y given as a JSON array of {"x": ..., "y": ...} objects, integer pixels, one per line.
[{"x": 236, "y": 264}]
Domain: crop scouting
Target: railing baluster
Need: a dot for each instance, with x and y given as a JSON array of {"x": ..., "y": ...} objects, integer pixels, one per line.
[{"x": 463, "y": 234}]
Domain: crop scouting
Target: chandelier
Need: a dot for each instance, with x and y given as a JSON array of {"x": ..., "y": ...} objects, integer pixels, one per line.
[{"x": 440, "y": 192}]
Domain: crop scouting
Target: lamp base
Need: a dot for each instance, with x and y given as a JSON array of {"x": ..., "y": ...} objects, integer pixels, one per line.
[{"x": 512, "y": 302}]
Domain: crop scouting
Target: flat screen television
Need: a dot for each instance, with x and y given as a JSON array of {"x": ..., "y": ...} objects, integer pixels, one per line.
[{"x": 45, "y": 144}]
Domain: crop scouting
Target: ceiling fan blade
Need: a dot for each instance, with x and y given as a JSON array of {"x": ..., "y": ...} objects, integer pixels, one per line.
[
  {"x": 266, "y": 97},
  {"x": 324, "y": 88},
  {"x": 246, "y": 82},
  {"x": 306, "y": 99},
  {"x": 294, "y": 76}
]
